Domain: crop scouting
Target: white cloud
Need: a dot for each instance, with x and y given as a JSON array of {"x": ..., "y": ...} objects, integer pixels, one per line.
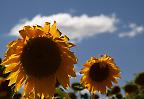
[
  {"x": 135, "y": 30},
  {"x": 76, "y": 27}
]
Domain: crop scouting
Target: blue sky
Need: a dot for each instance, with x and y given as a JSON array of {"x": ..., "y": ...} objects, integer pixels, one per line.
[{"x": 96, "y": 26}]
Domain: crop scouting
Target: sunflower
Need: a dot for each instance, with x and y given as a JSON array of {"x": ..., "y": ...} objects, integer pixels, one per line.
[
  {"x": 39, "y": 59},
  {"x": 130, "y": 88},
  {"x": 139, "y": 80},
  {"x": 99, "y": 73}
]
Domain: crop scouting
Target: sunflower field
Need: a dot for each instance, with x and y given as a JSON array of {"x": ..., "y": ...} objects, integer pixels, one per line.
[{"x": 40, "y": 64}]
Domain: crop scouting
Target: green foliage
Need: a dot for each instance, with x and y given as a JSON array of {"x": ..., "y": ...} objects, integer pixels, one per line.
[
  {"x": 77, "y": 86},
  {"x": 61, "y": 94}
]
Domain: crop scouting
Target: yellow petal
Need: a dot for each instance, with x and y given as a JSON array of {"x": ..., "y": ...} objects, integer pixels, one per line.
[
  {"x": 20, "y": 80},
  {"x": 109, "y": 84},
  {"x": 30, "y": 31},
  {"x": 87, "y": 65},
  {"x": 48, "y": 86},
  {"x": 83, "y": 78},
  {"x": 113, "y": 80},
  {"x": 54, "y": 31},
  {"x": 29, "y": 86},
  {"x": 12, "y": 81},
  {"x": 68, "y": 67},
  {"x": 102, "y": 88},
  {"x": 38, "y": 31},
  {"x": 69, "y": 56},
  {"x": 70, "y": 70},
  {"x": 64, "y": 38},
  {"x": 12, "y": 67},
  {"x": 71, "y": 45},
  {"x": 84, "y": 70},
  {"x": 23, "y": 33},
  {"x": 17, "y": 43},
  {"x": 11, "y": 43},
  {"x": 12, "y": 59},
  {"x": 12, "y": 77},
  {"x": 46, "y": 27},
  {"x": 38, "y": 86},
  {"x": 63, "y": 78},
  {"x": 14, "y": 50}
]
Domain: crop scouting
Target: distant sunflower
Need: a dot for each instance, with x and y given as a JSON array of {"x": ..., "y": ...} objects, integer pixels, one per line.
[
  {"x": 40, "y": 58},
  {"x": 139, "y": 80},
  {"x": 99, "y": 73},
  {"x": 130, "y": 88}
]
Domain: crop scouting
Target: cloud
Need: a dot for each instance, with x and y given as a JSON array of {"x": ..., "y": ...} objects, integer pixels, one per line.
[
  {"x": 135, "y": 30},
  {"x": 76, "y": 27}
]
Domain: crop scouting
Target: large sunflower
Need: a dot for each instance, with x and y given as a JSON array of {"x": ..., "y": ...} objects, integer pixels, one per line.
[
  {"x": 39, "y": 59},
  {"x": 99, "y": 73}
]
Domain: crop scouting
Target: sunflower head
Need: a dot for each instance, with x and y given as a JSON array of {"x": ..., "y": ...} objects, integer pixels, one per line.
[
  {"x": 119, "y": 96},
  {"x": 130, "y": 88},
  {"x": 99, "y": 73},
  {"x": 39, "y": 59},
  {"x": 115, "y": 90},
  {"x": 140, "y": 79}
]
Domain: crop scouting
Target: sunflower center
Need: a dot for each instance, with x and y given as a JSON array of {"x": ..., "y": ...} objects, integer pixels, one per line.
[
  {"x": 99, "y": 72},
  {"x": 40, "y": 57}
]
